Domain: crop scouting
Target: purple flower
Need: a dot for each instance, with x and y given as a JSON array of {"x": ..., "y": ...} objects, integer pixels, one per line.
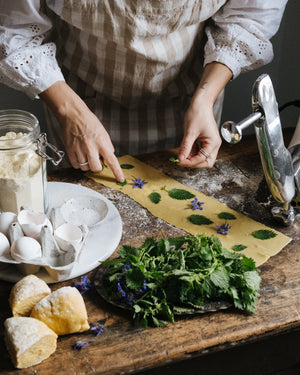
[
  {"x": 79, "y": 345},
  {"x": 138, "y": 182},
  {"x": 223, "y": 229},
  {"x": 97, "y": 329},
  {"x": 83, "y": 285},
  {"x": 196, "y": 205}
]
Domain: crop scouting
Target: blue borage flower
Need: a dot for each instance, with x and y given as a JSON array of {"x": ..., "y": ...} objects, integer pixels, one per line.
[
  {"x": 196, "y": 205},
  {"x": 138, "y": 182},
  {"x": 223, "y": 229},
  {"x": 79, "y": 345},
  {"x": 83, "y": 285},
  {"x": 129, "y": 297},
  {"x": 97, "y": 329}
]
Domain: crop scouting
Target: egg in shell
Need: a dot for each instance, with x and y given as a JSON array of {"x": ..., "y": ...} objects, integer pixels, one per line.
[
  {"x": 25, "y": 249},
  {"x": 4, "y": 245},
  {"x": 6, "y": 218},
  {"x": 32, "y": 222}
]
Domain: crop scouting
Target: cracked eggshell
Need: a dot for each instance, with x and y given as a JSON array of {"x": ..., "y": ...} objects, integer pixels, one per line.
[
  {"x": 67, "y": 234},
  {"x": 87, "y": 210},
  {"x": 32, "y": 222},
  {"x": 6, "y": 218},
  {"x": 25, "y": 249},
  {"x": 4, "y": 245}
]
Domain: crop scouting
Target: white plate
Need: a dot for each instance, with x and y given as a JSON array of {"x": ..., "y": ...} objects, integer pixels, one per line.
[{"x": 101, "y": 242}]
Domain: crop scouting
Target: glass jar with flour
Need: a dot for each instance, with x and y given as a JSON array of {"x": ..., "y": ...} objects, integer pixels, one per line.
[{"x": 23, "y": 175}]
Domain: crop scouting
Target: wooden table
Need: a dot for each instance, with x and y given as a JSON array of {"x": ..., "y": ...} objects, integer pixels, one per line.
[{"x": 222, "y": 342}]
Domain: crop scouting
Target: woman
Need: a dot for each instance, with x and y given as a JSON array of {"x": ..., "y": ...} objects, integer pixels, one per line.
[{"x": 133, "y": 76}]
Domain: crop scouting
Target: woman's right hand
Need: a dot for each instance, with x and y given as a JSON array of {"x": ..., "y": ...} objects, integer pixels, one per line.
[{"x": 85, "y": 138}]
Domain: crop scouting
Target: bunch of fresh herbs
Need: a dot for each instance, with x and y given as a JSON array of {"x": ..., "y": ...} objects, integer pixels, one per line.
[{"x": 179, "y": 275}]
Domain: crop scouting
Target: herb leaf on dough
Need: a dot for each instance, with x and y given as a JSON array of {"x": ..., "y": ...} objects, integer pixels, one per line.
[
  {"x": 126, "y": 166},
  {"x": 154, "y": 197},
  {"x": 180, "y": 194},
  {"x": 199, "y": 220},
  {"x": 264, "y": 234},
  {"x": 226, "y": 216}
]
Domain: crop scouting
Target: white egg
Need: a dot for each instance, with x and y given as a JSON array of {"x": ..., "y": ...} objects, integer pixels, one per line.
[
  {"x": 67, "y": 234},
  {"x": 25, "y": 249},
  {"x": 6, "y": 218},
  {"x": 32, "y": 222},
  {"x": 4, "y": 245}
]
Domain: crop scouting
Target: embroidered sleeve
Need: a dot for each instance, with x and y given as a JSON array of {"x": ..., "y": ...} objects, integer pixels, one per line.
[
  {"x": 239, "y": 34},
  {"x": 27, "y": 62}
]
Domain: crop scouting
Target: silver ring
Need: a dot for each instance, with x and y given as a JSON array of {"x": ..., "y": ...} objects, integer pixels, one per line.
[
  {"x": 203, "y": 152},
  {"x": 82, "y": 164}
]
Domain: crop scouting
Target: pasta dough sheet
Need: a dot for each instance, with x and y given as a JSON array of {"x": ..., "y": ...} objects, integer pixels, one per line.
[{"x": 176, "y": 212}]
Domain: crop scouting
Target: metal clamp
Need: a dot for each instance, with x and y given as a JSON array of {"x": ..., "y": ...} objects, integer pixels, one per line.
[{"x": 42, "y": 145}]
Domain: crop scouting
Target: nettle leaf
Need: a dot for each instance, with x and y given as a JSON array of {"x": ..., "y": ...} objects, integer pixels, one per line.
[
  {"x": 264, "y": 234},
  {"x": 220, "y": 278},
  {"x": 252, "y": 279},
  {"x": 154, "y": 197},
  {"x": 238, "y": 247},
  {"x": 126, "y": 166},
  {"x": 199, "y": 220},
  {"x": 134, "y": 278},
  {"x": 180, "y": 194},
  {"x": 226, "y": 216},
  {"x": 122, "y": 183},
  {"x": 174, "y": 159}
]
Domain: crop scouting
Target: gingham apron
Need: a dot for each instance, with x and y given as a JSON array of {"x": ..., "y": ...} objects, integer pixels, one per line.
[{"x": 135, "y": 63}]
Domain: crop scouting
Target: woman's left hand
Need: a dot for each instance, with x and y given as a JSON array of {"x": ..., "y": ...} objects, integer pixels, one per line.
[{"x": 201, "y": 141}]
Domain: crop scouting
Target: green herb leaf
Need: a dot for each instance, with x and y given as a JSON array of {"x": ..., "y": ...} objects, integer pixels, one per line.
[
  {"x": 174, "y": 159},
  {"x": 154, "y": 197},
  {"x": 199, "y": 220},
  {"x": 134, "y": 278},
  {"x": 126, "y": 166},
  {"x": 180, "y": 194},
  {"x": 264, "y": 234},
  {"x": 226, "y": 216},
  {"x": 122, "y": 183},
  {"x": 238, "y": 247}
]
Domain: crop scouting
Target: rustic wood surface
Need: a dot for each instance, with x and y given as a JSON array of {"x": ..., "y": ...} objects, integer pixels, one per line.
[{"x": 236, "y": 180}]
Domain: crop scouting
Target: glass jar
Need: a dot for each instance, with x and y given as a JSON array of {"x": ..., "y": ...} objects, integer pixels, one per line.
[{"x": 23, "y": 174}]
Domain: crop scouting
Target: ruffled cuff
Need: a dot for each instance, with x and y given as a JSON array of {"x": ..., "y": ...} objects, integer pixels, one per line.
[
  {"x": 31, "y": 71},
  {"x": 239, "y": 50}
]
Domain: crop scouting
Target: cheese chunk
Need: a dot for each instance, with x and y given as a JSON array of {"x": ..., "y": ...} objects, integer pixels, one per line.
[
  {"x": 29, "y": 341},
  {"x": 63, "y": 311},
  {"x": 26, "y": 293}
]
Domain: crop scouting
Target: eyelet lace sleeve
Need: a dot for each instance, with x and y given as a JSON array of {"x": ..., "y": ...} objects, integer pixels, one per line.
[
  {"x": 238, "y": 35},
  {"x": 26, "y": 62}
]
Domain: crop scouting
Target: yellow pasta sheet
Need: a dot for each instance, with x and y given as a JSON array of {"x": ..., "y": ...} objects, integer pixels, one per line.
[{"x": 176, "y": 212}]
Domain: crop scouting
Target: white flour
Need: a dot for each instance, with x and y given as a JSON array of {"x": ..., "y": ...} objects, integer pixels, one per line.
[{"x": 21, "y": 182}]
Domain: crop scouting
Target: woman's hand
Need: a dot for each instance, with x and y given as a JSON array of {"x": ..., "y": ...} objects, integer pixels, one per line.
[
  {"x": 201, "y": 141},
  {"x": 85, "y": 138}
]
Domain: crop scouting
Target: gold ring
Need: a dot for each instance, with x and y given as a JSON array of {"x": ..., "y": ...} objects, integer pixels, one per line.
[{"x": 203, "y": 152}]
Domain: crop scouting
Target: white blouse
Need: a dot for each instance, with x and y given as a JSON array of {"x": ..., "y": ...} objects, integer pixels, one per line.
[
  {"x": 136, "y": 63},
  {"x": 238, "y": 34}
]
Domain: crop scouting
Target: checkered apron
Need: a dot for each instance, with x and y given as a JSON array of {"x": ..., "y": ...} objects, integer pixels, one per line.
[{"x": 135, "y": 63}]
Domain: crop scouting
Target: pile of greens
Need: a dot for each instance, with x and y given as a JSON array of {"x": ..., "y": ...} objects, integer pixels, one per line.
[{"x": 179, "y": 275}]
